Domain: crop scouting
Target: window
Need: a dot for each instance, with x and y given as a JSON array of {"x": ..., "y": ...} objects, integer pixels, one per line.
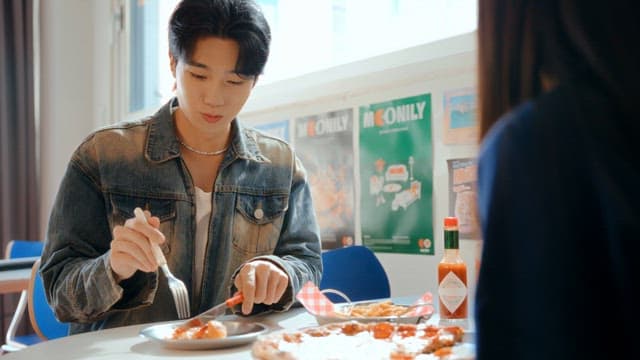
[
  {"x": 150, "y": 79},
  {"x": 307, "y": 36}
]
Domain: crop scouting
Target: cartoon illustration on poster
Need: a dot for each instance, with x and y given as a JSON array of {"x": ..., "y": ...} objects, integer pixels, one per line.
[
  {"x": 324, "y": 143},
  {"x": 396, "y": 176},
  {"x": 279, "y": 129},
  {"x": 460, "y": 126},
  {"x": 463, "y": 194}
]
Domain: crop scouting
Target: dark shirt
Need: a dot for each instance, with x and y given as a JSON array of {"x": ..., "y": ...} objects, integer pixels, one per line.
[{"x": 559, "y": 202}]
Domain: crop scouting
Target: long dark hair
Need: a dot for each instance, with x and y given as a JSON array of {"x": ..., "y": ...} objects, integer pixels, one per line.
[
  {"x": 522, "y": 41},
  {"x": 239, "y": 20}
]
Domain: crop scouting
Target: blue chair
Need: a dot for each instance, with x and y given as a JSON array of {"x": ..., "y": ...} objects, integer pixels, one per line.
[
  {"x": 356, "y": 272},
  {"x": 20, "y": 249},
  {"x": 43, "y": 320},
  {"x": 23, "y": 248}
]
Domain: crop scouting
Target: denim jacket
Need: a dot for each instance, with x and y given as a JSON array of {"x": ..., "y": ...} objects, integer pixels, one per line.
[{"x": 261, "y": 209}]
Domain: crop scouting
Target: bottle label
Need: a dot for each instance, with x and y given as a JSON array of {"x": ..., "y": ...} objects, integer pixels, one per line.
[{"x": 452, "y": 291}]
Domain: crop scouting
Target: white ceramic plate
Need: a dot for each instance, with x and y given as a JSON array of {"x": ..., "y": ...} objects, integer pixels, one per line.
[{"x": 238, "y": 333}]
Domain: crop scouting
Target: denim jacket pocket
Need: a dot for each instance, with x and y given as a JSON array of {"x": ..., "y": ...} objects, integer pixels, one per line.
[
  {"x": 122, "y": 207},
  {"x": 257, "y": 223}
]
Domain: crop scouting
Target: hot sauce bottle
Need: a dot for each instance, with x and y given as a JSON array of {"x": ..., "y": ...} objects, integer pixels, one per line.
[{"x": 452, "y": 275}]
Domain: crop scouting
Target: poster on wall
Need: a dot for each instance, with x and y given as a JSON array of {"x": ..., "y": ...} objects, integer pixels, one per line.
[
  {"x": 463, "y": 195},
  {"x": 279, "y": 129},
  {"x": 324, "y": 143},
  {"x": 396, "y": 176},
  {"x": 460, "y": 125}
]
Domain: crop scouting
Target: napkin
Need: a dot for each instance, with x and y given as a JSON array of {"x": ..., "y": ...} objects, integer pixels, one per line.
[{"x": 318, "y": 304}]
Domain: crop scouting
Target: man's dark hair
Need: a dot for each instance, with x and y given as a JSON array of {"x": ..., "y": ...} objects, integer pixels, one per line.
[{"x": 239, "y": 20}]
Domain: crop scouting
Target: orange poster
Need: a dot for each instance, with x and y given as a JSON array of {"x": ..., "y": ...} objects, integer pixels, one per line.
[{"x": 324, "y": 143}]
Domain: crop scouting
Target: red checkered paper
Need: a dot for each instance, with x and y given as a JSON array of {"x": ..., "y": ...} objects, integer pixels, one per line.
[
  {"x": 318, "y": 304},
  {"x": 314, "y": 301},
  {"x": 427, "y": 309}
]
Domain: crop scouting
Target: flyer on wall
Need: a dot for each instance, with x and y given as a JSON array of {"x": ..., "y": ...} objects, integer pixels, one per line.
[
  {"x": 463, "y": 195},
  {"x": 396, "y": 176},
  {"x": 279, "y": 129},
  {"x": 324, "y": 143},
  {"x": 460, "y": 125}
]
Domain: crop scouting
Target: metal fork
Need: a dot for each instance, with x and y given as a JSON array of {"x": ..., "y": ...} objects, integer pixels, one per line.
[
  {"x": 177, "y": 287},
  {"x": 178, "y": 290}
]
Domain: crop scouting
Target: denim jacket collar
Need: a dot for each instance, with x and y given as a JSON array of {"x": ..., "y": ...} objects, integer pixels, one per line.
[{"x": 162, "y": 143}]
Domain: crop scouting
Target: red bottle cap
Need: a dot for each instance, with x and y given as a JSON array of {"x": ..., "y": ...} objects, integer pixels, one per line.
[{"x": 450, "y": 221}]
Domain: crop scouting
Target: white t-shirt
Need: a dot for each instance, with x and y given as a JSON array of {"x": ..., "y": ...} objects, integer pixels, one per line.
[{"x": 203, "y": 215}]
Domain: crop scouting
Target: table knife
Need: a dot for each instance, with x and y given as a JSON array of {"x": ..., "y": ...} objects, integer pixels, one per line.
[{"x": 221, "y": 308}]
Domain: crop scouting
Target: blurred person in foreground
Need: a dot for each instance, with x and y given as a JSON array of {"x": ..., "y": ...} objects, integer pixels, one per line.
[
  {"x": 559, "y": 179},
  {"x": 229, "y": 206}
]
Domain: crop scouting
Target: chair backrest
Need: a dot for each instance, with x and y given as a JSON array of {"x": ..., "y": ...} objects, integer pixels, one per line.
[
  {"x": 41, "y": 315},
  {"x": 355, "y": 271},
  {"x": 20, "y": 249},
  {"x": 23, "y": 248}
]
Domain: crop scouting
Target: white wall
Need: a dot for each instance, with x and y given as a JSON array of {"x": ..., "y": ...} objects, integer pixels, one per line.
[
  {"x": 102, "y": 80},
  {"x": 76, "y": 97},
  {"x": 66, "y": 98},
  {"x": 432, "y": 68},
  {"x": 76, "y": 38}
]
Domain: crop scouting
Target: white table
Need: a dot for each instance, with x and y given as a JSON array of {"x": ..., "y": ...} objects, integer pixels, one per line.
[
  {"x": 125, "y": 343},
  {"x": 13, "y": 281},
  {"x": 15, "y": 274}
]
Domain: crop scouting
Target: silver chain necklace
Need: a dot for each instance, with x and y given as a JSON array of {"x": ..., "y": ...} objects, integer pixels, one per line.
[{"x": 207, "y": 153}]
